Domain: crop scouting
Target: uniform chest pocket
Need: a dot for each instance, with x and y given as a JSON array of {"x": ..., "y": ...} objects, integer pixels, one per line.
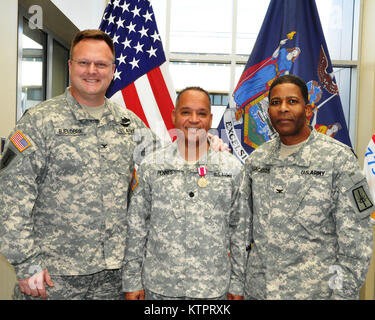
[
  {"x": 168, "y": 192},
  {"x": 72, "y": 151},
  {"x": 313, "y": 204},
  {"x": 216, "y": 203},
  {"x": 217, "y": 194}
]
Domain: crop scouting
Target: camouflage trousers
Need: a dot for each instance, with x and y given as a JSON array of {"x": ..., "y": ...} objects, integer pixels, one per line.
[
  {"x": 149, "y": 295},
  {"x": 103, "y": 285}
]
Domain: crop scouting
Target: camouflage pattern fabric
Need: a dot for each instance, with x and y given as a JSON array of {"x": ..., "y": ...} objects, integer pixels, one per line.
[
  {"x": 104, "y": 285},
  {"x": 149, "y": 295},
  {"x": 310, "y": 229},
  {"x": 64, "y": 185},
  {"x": 185, "y": 232}
]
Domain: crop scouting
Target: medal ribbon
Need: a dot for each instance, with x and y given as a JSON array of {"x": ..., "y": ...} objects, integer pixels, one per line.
[{"x": 202, "y": 171}]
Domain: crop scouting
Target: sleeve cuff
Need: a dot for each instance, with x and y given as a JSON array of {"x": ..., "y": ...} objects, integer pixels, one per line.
[
  {"x": 340, "y": 295},
  {"x": 28, "y": 268},
  {"x": 237, "y": 288},
  {"x": 131, "y": 284}
]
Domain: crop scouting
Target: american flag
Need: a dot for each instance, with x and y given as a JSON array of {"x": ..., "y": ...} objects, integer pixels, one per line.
[
  {"x": 141, "y": 80},
  {"x": 20, "y": 141}
]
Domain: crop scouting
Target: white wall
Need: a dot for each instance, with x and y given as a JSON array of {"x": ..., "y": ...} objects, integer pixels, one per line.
[{"x": 85, "y": 14}]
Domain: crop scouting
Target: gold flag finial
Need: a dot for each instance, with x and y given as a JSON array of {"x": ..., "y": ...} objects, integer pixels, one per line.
[{"x": 291, "y": 35}]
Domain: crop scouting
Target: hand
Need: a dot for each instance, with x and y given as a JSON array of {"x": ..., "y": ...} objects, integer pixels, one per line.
[
  {"x": 231, "y": 296},
  {"x": 135, "y": 295},
  {"x": 34, "y": 285},
  {"x": 217, "y": 144}
]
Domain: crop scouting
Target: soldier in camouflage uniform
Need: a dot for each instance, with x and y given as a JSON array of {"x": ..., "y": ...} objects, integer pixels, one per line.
[
  {"x": 310, "y": 206},
  {"x": 186, "y": 221},
  {"x": 65, "y": 176}
]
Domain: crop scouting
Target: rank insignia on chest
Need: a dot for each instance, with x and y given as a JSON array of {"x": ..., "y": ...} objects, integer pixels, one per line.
[
  {"x": 202, "y": 182},
  {"x": 125, "y": 122}
]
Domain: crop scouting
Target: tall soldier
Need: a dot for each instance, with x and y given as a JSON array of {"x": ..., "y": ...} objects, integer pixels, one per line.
[
  {"x": 310, "y": 206},
  {"x": 64, "y": 181}
]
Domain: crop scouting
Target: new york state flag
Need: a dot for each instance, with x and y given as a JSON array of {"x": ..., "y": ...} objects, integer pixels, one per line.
[{"x": 290, "y": 41}]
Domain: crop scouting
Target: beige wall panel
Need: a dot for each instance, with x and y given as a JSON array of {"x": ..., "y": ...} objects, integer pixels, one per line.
[
  {"x": 7, "y": 279},
  {"x": 8, "y": 63},
  {"x": 366, "y": 107},
  {"x": 366, "y": 110}
]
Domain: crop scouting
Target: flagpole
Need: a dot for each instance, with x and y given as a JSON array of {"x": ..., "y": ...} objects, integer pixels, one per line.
[
  {"x": 317, "y": 107},
  {"x": 324, "y": 102},
  {"x": 233, "y": 53}
]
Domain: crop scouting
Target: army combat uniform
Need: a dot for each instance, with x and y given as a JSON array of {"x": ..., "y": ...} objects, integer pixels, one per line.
[
  {"x": 186, "y": 240},
  {"x": 310, "y": 231},
  {"x": 64, "y": 183}
]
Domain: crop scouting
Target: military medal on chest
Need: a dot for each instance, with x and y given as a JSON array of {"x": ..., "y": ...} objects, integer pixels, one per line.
[{"x": 202, "y": 182}]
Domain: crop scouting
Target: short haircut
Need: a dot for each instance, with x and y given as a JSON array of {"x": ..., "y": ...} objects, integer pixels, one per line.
[
  {"x": 196, "y": 89},
  {"x": 291, "y": 78},
  {"x": 92, "y": 34}
]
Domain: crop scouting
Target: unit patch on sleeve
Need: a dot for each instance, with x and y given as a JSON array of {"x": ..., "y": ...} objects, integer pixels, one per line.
[
  {"x": 362, "y": 200},
  {"x": 20, "y": 141}
]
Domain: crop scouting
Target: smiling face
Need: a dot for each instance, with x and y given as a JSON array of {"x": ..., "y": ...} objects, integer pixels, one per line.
[
  {"x": 289, "y": 112},
  {"x": 89, "y": 83},
  {"x": 192, "y": 116}
]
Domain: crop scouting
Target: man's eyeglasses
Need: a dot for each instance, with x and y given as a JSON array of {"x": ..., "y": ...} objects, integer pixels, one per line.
[{"x": 86, "y": 64}]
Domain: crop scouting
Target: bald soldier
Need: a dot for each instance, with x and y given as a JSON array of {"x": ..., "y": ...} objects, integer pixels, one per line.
[
  {"x": 186, "y": 221},
  {"x": 310, "y": 230}
]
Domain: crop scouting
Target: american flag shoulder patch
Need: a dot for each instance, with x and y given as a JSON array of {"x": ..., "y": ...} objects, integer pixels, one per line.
[
  {"x": 134, "y": 181},
  {"x": 20, "y": 141}
]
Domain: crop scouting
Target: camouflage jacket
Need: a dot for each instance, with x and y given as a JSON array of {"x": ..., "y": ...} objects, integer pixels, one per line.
[
  {"x": 64, "y": 183},
  {"x": 310, "y": 230},
  {"x": 185, "y": 232}
]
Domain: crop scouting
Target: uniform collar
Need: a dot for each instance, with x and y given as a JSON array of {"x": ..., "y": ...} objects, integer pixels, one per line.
[
  {"x": 175, "y": 153},
  {"x": 301, "y": 158},
  {"x": 80, "y": 114}
]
